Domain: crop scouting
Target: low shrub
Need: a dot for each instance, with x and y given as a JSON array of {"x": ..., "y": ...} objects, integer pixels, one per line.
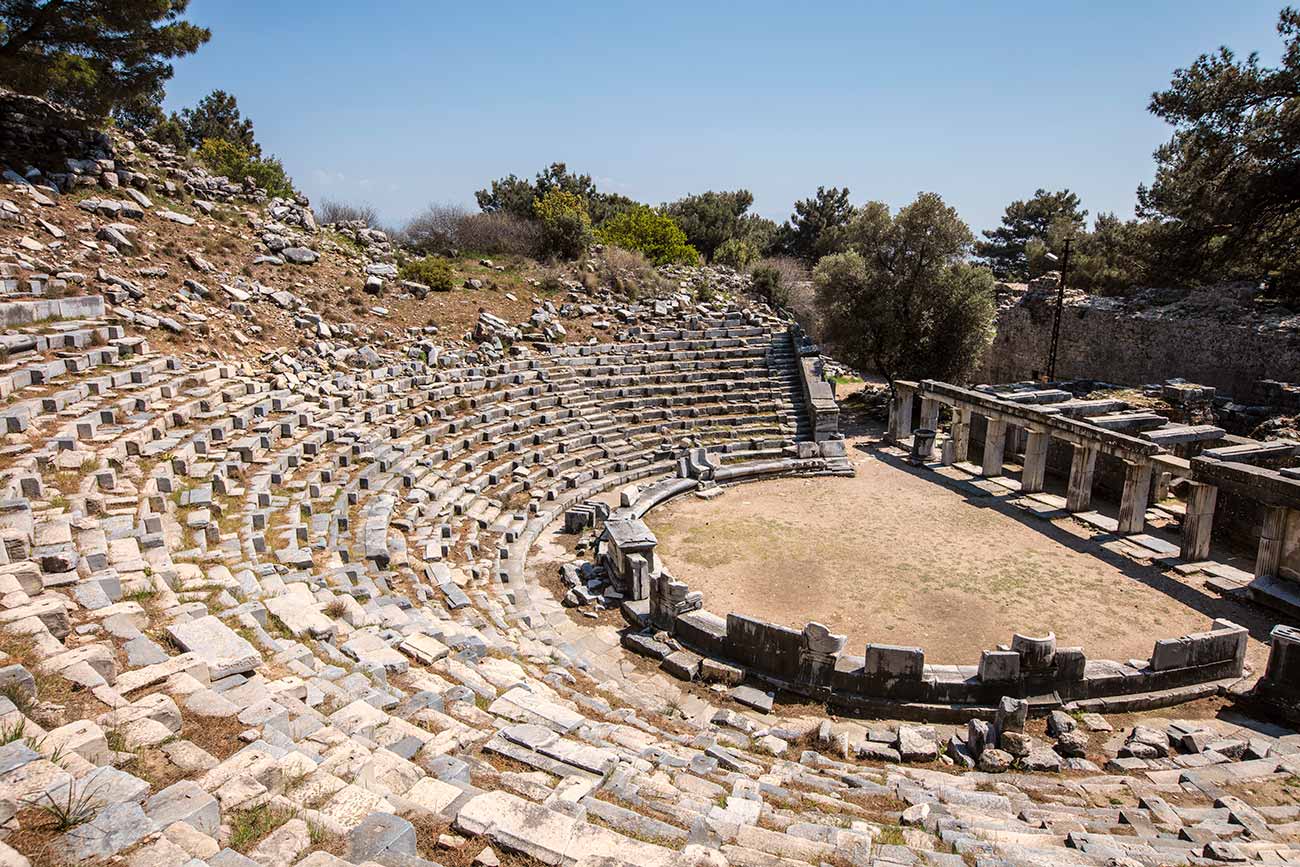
[
  {"x": 429, "y": 270},
  {"x": 436, "y": 229},
  {"x": 330, "y": 211},
  {"x": 626, "y": 272},
  {"x": 566, "y": 225},
  {"x": 499, "y": 234},
  {"x": 735, "y": 253},
  {"x": 769, "y": 284},
  {"x": 649, "y": 232},
  {"x": 236, "y": 163}
]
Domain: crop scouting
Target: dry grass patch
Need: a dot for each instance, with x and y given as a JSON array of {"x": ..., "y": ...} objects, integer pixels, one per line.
[
  {"x": 429, "y": 828},
  {"x": 249, "y": 827},
  {"x": 881, "y": 809},
  {"x": 37, "y": 838},
  {"x": 219, "y": 736}
]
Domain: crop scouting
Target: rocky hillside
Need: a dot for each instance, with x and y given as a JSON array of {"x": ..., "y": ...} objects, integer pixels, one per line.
[{"x": 212, "y": 266}]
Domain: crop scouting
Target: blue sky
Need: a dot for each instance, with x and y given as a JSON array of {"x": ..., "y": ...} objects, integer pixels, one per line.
[{"x": 398, "y": 103}]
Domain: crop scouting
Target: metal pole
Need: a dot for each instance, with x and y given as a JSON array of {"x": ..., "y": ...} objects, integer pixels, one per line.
[{"x": 1056, "y": 319}]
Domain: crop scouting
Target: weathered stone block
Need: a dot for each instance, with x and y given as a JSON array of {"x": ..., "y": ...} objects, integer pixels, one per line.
[
  {"x": 998, "y": 666},
  {"x": 894, "y": 661}
]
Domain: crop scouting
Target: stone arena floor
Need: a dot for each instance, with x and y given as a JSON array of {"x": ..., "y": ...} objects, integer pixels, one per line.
[{"x": 899, "y": 556}]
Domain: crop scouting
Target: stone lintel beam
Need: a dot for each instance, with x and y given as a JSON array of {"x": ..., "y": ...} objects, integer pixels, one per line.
[
  {"x": 1070, "y": 430},
  {"x": 1256, "y": 483}
]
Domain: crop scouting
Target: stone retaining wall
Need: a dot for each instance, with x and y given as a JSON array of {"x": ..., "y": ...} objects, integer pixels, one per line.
[
  {"x": 1130, "y": 348},
  {"x": 18, "y": 313},
  {"x": 36, "y": 132},
  {"x": 808, "y": 663}
]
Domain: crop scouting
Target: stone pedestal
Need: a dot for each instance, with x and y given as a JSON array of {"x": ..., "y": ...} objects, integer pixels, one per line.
[
  {"x": 1036, "y": 654},
  {"x": 1137, "y": 490},
  {"x": 1035, "y": 466},
  {"x": 670, "y": 598},
  {"x": 1283, "y": 672},
  {"x": 1078, "y": 497},
  {"x": 922, "y": 446},
  {"x": 995, "y": 446},
  {"x": 818, "y": 654},
  {"x": 1198, "y": 520}
]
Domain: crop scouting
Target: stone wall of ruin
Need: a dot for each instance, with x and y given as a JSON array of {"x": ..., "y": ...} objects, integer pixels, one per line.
[
  {"x": 44, "y": 134},
  {"x": 1127, "y": 347},
  {"x": 887, "y": 676}
]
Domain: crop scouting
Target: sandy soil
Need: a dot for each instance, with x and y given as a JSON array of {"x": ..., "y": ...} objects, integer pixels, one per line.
[{"x": 895, "y": 556}]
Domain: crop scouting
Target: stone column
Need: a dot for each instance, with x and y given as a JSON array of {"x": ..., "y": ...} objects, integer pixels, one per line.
[
  {"x": 930, "y": 413},
  {"x": 1163, "y": 480},
  {"x": 1079, "y": 495},
  {"x": 1271, "y": 537},
  {"x": 1137, "y": 490},
  {"x": 1035, "y": 466},
  {"x": 1198, "y": 520},
  {"x": 900, "y": 417},
  {"x": 956, "y": 449},
  {"x": 1015, "y": 437},
  {"x": 995, "y": 446}
]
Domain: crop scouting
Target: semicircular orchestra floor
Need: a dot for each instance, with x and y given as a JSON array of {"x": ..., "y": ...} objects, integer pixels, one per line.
[{"x": 895, "y": 557}]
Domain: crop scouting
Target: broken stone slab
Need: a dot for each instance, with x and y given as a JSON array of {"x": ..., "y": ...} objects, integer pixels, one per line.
[
  {"x": 185, "y": 801},
  {"x": 917, "y": 744},
  {"x": 139, "y": 678},
  {"x": 379, "y": 837},
  {"x": 433, "y": 795},
  {"x": 115, "y": 828},
  {"x": 284, "y": 844},
  {"x": 424, "y": 649},
  {"x": 550, "y": 836},
  {"x": 173, "y": 216},
  {"x": 682, "y": 664},
  {"x": 523, "y": 706},
  {"x": 369, "y": 648},
  {"x": 713, "y": 671},
  {"x": 301, "y": 618},
  {"x": 223, "y": 649},
  {"x": 753, "y": 697}
]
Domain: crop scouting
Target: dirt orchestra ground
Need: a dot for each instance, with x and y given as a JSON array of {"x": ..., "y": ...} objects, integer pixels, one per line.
[{"x": 897, "y": 556}]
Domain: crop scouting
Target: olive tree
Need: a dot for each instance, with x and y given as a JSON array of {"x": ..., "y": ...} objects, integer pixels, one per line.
[{"x": 903, "y": 299}]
